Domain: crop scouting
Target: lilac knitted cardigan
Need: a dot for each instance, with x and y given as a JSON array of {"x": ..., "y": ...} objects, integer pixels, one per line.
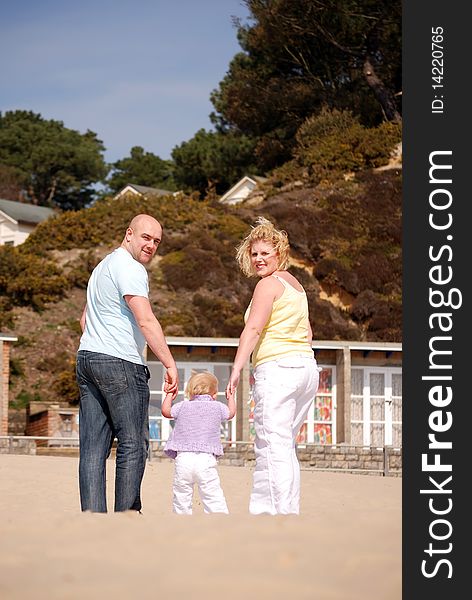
[{"x": 197, "y": 426}]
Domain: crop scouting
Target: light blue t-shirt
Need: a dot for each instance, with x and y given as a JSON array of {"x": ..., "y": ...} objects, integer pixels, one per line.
[{"x": 110, "y": 326}]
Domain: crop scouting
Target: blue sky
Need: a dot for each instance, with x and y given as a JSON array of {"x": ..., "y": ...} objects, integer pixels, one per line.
[{"x": 136, "y": 72}]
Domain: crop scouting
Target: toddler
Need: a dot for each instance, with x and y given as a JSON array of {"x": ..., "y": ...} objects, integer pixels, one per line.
[{"x": 195, "y": 443}]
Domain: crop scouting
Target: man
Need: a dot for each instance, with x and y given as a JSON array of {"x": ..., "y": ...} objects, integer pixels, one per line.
[{"x": 111, "y": 372}]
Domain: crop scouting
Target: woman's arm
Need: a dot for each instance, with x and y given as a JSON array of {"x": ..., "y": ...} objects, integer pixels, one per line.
[{"x": 265, "y": 293}]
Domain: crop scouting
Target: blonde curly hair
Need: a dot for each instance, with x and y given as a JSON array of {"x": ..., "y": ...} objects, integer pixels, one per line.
[
  {"x": 201, "y": 383},
  {"x": 263, "y": 231}
]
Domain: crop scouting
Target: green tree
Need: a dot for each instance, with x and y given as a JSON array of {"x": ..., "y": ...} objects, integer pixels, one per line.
[
  {"x": 213, "y": 160},
  {"x": 301, "y": 55},
  {"x": 141, "y": 168},
  {"x": 11, "y": 183},
  {"x": 56, "y": 165}
]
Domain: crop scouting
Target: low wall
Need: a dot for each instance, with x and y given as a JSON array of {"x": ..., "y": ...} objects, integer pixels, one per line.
[
  {"x": 11, "y": 445},
  {"x": 354, "y": 459},
  {"x": 351, "y": 459}
]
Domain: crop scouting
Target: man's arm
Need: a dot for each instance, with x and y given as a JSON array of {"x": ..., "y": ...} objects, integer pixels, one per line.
[
  {"x": 152, "y": 331},
  {"x": 82, "y": 318}
]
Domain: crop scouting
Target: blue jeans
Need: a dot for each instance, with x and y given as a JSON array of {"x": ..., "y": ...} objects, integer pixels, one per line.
[{"x": 114, "y": 402}]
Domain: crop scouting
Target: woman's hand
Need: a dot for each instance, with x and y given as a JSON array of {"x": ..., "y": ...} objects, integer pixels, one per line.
[{"x": 232, "y": 384}]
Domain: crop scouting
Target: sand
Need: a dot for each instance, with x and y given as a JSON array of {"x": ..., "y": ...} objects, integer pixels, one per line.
[{"x": 345, "y": 545}]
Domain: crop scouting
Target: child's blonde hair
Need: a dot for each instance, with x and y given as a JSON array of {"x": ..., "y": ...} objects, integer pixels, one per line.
[
  {"x": 201, "y": 383},
  {"x": 264, "y": 231}
]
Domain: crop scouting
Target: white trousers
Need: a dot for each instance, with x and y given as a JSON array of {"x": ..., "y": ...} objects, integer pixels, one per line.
[
  {"x": 199, "y": 468},
  {"x": 283, "y": 392}
]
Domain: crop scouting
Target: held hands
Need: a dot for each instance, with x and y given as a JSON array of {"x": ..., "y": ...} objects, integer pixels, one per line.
[
  {"x": 171, "y": 387},
  {"x": 232, "y": 385},
  {"x": 171, "y": 382}
]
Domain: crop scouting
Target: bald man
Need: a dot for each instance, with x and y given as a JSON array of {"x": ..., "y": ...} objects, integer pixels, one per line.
[{"x": 112, "y": 375}]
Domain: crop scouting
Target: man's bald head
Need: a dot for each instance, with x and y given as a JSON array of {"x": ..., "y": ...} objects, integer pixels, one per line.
[
  {"x": 142, "y": 237},
  {"x": 143, "y": 220}
]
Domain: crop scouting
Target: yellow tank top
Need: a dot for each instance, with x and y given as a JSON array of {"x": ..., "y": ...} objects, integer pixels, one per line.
[{"x": 286, "y": 331}]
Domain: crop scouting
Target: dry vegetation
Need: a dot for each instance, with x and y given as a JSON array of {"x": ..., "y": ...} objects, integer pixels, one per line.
[{"x": 346, "y": 241}]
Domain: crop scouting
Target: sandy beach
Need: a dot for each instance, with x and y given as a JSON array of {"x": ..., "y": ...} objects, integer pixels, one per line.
[{"x": 345, "y": 545}]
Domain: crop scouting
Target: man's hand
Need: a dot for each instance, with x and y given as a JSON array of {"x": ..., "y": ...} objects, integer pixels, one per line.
[{"x": 171, "y": 381}]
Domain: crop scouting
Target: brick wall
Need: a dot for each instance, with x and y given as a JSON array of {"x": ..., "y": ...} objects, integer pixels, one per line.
[
  {"x": 38, "y": 424},
  {"x": 52, "y": 420},
  {"x": 4, "y": 377}
]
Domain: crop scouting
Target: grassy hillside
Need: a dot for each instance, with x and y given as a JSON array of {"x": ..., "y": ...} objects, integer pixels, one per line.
[{"x": 346, "y": 241}]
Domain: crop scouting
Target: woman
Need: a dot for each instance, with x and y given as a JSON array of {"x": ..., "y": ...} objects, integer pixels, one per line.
[{"x": 278, "y": 334}]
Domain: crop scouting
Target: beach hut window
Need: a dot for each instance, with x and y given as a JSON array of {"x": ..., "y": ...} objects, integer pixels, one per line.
[
  {"x": 320, "y": 424},
  {"x": 376, "y": 403}
]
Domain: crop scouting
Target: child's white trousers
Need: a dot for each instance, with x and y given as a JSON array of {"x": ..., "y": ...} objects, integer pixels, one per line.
[
  {"x": 197, "y": 468},
  {"x": 283, "y": 392}
]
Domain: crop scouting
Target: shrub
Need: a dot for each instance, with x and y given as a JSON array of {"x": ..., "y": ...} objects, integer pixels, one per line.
[
  {"x": 106, "y": 221},
  {"x": 81, "y": 268},
  {"x": 65, "y": 385},
  {"x": 377, "y": 144},
  {"x": 365, "y": 305},
  {"x": 374, "y": 271},
  {"x": 386, "y": 323},
  {"x": 6, "y": 316},
  {"x": 334, "y": 142},
  {"x": 29, "y": 280},
  {"x": 192, "y": 268},
  {"x": 327, "y": 323},
  {"x": 23, "y": 399},
  {"x": 217, "y": 316},
  {"x": 333, "y": 272},
  {"x": 17, "y": 368},
  {"x": 180, "y": 321},
  {"x": 61, "y": 365}
]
